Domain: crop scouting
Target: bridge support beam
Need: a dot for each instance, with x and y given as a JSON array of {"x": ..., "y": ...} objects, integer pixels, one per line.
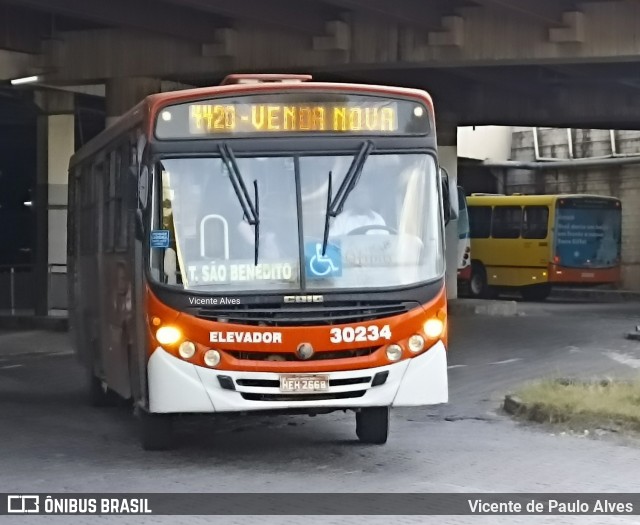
[
  {"x": 56, "y": 144},
  {"x": 124, "y": 93},
  {"x": 14, "y": 64}
]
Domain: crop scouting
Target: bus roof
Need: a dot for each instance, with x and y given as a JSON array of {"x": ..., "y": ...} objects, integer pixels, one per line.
[
  {"x": 524, "y": 200},
  {"x": 144, "y": 112}
]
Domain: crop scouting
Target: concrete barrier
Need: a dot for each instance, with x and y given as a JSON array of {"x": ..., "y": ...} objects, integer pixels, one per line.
[
  {"x": 595, "y": 294},
  {"x": 483, "y": 307}
]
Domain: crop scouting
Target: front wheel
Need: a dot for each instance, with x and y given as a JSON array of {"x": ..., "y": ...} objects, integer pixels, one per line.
[
  {"x": 156, "y": 431},
  {"x": 478, "y": 285},
  {"x": 372, "y": 425}
]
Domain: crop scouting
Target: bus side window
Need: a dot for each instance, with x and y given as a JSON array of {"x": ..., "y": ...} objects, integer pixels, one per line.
[
  {"x": 506, "y": 222},
  {"x": 479, "y": 222},
  {"x": 86, "y": 222},
  {"x": 122, "y": 223},
  {"x": 535, "y": 222},
  {"x": 102, "y": 177},
  {"x": 109, "y": 200}
]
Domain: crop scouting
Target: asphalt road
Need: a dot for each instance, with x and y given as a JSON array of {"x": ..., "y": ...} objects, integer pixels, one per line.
[{"x": 52, "y": 441}]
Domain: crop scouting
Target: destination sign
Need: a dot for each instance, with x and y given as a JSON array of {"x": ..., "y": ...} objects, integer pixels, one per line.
[
  {"x": 588, "y": 203},
  {"x": 290, "y": 114},
  {"x": 249, "y": 118},
  {"x": 226, "y": 272}
]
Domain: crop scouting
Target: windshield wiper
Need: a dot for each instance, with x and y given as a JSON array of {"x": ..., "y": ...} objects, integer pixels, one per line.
[
  {"x": 327, "y": 215},
  {"x": 251, "y": 211},
  {"x": 335, "y": 204}
]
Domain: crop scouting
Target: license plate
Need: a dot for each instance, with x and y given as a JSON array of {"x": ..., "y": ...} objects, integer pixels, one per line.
[
  {"x": 306, "y": 383},
  {"x": 588, "y": 274}
]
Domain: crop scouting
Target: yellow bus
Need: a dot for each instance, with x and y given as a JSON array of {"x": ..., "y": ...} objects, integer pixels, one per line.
[{"x": 530, "y": 243}]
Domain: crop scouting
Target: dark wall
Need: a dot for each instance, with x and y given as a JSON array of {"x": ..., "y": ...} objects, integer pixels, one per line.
[
  {"x": 17, "y": 180},
  {"x": 90, "y": 118},
  {"x": 18, "y": 165},
  {"x": 475, "y": 178}
]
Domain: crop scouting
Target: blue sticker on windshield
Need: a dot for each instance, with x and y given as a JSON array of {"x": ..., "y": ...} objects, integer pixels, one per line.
[
  {"x": 321, "y": 266},
  {"x": 159, "y": 238}
]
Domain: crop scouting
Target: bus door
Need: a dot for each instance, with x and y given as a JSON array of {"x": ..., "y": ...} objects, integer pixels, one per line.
[
  {"x": 536, "y": 249},
  {"x": 506, "y": 258}
]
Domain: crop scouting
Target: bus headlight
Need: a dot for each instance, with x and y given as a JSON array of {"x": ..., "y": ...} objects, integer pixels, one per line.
[
  {"x": 416, "y": 343},
  {"x": 212, "y": 358},
  {"x": 168, "y": 335},
  {"x": 187, "y": 350},
  {"x": 394, "y": 352},
  {"x": 433, "y": 328}
]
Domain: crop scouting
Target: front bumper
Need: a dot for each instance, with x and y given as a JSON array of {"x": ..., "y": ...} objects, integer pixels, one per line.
[{"x": 176, "y": 386}]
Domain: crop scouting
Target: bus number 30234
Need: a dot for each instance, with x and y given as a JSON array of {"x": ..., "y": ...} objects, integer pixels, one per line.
[{"x": 350, "y": 334}]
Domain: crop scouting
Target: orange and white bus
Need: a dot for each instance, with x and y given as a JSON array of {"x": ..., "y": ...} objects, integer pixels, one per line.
[{"x": 269, "y": 244}]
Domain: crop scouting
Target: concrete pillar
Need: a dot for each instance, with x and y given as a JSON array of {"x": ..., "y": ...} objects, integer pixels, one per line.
[
  {"x": 448, "y": 157},
  {"x": 56, "y": 145},
  {"x": 125, "y": 92}
]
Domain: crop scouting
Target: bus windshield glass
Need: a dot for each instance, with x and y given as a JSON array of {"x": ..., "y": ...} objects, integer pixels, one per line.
[
  {"x": 387, "y": 232},
  {"x": 588, "y": 233}
]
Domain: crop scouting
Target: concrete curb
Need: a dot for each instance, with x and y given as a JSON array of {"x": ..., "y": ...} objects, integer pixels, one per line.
[
  {"x": 595, "y": 294},
  {"x": 513, "y": 405},
  {"x": 33, "y": 322},
  {"x": 483, "y": 307},
  {"x": 538, "y": 413},
  {"x": 541, "y": 413}
]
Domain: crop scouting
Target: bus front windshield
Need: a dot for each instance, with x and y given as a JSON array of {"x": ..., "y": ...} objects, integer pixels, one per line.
[{"x": 386, "y": 233}]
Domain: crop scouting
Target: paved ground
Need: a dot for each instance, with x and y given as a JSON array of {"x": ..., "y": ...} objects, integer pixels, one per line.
[{"x": 53, "y": 442}]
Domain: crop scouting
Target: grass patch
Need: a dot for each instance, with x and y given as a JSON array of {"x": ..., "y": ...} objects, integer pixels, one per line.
[{"x": 601, "y": 404}]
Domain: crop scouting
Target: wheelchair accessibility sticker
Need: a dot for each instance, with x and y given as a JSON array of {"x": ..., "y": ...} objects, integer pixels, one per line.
[{"x": 318, "y": 265}]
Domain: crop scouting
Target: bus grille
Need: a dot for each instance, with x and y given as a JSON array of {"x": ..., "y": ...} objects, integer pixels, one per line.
[
  {"x": 305, "y": 315},
  {"x": 290, "y": 356},
  {"x": 274, "y": 383},
  {"x": 303, "y": 397}
]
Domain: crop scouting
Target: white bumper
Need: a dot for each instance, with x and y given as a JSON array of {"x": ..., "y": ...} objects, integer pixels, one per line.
[{"x": 178, "y": 386}]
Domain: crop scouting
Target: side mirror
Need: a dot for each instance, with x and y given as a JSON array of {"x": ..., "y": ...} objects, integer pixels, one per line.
[
  {"x": 139, "y": 225},
  {"x": 142, "y": 198},
  {"x": 449, "y": 198}
]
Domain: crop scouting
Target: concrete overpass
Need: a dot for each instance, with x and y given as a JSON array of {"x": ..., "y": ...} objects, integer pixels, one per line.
[
  {"x": 531, "y": 62},
  {"x": 512, "y": 62}
]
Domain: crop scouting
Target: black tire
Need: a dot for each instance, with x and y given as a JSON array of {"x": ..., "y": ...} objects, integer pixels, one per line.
[
  {"x": 478, "y": 285},
  {"x": 99, "y": 397},
  {"x": 372, "y": 425},
  {"x": 536, "y": 292},
  {"x": 156, "y": 431}
]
